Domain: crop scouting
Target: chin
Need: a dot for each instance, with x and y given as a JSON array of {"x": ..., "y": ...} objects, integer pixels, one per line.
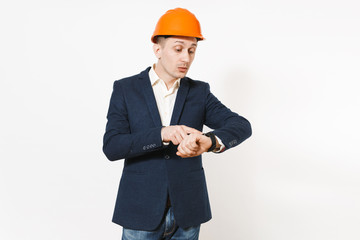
[{"x": 181, "y": 74}]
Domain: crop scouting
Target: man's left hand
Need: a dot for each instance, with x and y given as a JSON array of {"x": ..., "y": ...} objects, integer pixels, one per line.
[{"x": 193, "y": 145}]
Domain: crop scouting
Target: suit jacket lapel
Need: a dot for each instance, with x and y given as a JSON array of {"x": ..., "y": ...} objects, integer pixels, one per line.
[
  {"x": 180, "y": 101},
  {"x": 150, "y": 97}
]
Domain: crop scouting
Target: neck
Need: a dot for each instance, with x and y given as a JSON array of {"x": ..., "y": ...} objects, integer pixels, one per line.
[{"x": 168, "y": 80}]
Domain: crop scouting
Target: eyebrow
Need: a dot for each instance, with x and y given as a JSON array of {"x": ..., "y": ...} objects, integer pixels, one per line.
[{"x": 182, "y": 42}]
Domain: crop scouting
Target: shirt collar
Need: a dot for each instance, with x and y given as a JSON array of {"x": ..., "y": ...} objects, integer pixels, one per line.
[{"x": 154, "y": 78}]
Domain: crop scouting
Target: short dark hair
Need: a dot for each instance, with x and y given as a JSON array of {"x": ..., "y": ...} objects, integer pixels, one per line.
[{"x": 161, "y": 36}]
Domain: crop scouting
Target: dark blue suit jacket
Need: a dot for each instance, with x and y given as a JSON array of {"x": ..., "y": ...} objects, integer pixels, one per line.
[{"x": 152, "y": 171}]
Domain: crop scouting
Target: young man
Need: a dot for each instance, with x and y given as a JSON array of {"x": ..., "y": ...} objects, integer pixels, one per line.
[{"x": 155, "y": 123}]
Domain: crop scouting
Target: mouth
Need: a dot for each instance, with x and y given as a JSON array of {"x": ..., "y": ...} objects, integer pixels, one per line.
[{"x": 183, "y": 69}]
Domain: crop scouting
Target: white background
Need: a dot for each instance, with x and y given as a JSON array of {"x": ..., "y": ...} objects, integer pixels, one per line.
[{"x": 290, "y": 67}]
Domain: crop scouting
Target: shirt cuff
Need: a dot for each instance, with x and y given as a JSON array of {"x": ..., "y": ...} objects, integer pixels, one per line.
[{"x": 222, "y": 146}]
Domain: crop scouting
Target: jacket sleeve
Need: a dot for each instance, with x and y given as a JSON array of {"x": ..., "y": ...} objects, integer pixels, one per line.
[
  {"x": 119, "y": 142},
  {"x": 231, "y": 128}
]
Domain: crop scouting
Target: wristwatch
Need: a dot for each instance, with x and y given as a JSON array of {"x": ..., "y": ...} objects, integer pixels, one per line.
[{"x": 211, "y": 135}]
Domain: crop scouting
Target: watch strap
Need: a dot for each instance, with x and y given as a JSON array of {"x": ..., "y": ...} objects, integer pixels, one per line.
[{"x": 211, "y": 135}]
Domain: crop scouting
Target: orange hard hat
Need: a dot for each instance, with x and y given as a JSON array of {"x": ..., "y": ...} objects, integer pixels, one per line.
[{"x": 178, "y": 22}]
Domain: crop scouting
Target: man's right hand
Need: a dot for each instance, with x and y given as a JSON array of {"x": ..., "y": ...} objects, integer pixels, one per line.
[{"x": 176, "y": 133}]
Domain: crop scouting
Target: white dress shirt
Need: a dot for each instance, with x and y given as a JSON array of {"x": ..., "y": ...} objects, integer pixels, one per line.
[{"x": 165, "y": 99}]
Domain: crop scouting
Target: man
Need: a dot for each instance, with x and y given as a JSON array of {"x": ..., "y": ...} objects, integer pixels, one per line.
[{"x": 155, "y": 120}]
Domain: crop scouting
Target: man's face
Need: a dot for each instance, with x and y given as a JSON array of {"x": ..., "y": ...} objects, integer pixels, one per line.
[{"x": 175, "y": 55}]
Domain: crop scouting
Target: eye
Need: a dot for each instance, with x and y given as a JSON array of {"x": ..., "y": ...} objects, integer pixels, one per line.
[
  {"x": 178, "y": 49},
  {"x": 191, "y": 51}
]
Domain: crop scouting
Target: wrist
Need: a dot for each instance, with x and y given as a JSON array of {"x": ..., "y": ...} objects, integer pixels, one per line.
[{"x": 162, "y": 133}]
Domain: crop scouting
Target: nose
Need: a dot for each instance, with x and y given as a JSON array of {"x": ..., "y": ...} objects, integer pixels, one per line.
[{"x": 185, "y": 57}]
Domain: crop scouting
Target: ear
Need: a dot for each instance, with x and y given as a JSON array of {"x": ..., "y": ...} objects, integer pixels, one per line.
[{"x": 157, "y": 50}]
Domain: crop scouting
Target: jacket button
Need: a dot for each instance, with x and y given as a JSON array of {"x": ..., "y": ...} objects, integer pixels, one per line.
[{"x": 167, "y": 157}]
